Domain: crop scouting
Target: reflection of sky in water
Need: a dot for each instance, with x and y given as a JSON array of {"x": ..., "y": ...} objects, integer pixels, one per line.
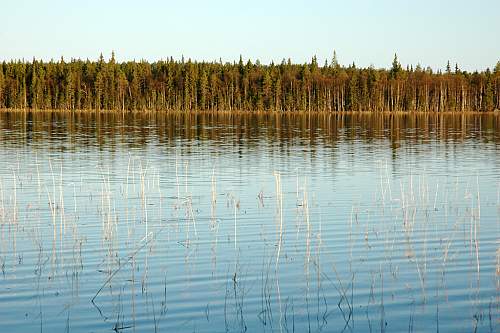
[{"x": 383, "y": 200}]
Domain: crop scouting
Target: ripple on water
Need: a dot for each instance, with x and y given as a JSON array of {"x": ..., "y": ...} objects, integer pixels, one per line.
[{"x": 235, "y": 223}]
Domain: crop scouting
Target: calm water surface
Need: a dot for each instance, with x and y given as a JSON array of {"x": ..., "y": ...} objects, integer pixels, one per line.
[{"x": 231, "y": 223}]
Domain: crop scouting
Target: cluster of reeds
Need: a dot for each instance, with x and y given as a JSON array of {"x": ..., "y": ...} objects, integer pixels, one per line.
[{"x": 413, "y": 226}]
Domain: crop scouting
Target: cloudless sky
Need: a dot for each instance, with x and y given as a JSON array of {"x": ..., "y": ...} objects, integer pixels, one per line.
[{"x": 429, "y": 32}]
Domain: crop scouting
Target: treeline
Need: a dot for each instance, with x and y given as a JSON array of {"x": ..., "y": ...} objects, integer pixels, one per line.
[{"x": 188, "y": 85}]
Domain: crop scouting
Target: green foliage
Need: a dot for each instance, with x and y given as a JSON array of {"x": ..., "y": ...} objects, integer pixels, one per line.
[
  {"x": 497, "y": 68},
  {"x": 187, "y": 85},
  {"x": 396, "y": 67},
  {"x": 488, "y": 97},
  {"x": 335, "y": 63}
]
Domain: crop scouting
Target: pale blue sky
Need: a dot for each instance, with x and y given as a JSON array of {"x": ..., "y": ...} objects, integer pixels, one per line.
[{"x": 367, "y": 32}]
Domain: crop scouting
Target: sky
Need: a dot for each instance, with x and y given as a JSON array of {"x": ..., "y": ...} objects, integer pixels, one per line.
[{"x": 362, "y": 31}]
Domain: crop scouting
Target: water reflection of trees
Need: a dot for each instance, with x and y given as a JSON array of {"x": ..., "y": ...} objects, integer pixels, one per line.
[{"x": 77, "y": 130}]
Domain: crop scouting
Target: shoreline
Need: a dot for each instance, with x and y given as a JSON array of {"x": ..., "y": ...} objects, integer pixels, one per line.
[{"x": 250, "y": 112}]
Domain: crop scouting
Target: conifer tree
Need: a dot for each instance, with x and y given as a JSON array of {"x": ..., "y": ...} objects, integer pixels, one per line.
[
  {"x": 188, "y": 85},
  {"x": 396, "y": 66},
  {"x": 335, "y": 64}
]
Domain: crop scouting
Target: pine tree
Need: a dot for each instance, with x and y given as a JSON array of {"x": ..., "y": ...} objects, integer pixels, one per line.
[
  {"x": 98, "y": 90},
  {"x": 267, "y": 90},
  {"x": 488, "y": 93},
  {"x": 314, "y": 63},
  {"x": 277, "y": 94},
  {"x": 335, "y": 64},
  {"x": 122, "y": 88},
  {"x": 353, "y": 93},
  {"x": 497, "y": 68},
  {"x": 171, "y": 84},
  {"x": 203, "y": 89},
  {"x": 396, "y": 66}
]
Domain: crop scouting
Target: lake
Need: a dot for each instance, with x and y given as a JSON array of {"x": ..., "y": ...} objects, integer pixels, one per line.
[{"x": 234, "y": 222}]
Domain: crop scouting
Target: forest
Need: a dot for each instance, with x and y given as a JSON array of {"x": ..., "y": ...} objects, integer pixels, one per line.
[{"x": 244, "y": 85}]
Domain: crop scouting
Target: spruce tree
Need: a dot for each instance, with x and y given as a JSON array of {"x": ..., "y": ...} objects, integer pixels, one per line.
[
  {"x": 396, "y": 66},
  {"x": 335, "y": 64}
]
